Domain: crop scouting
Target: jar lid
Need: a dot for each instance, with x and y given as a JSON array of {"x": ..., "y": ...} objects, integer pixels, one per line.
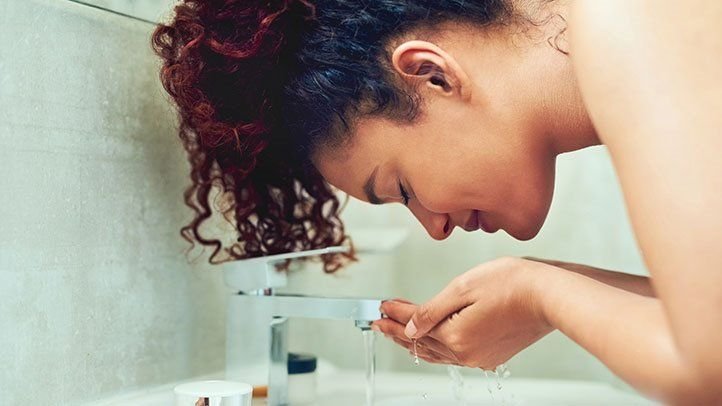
[{"x": 301, "y": 363}]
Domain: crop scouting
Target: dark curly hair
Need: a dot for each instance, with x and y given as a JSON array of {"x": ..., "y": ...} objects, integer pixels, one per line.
[{"x": 260, "y": 85}]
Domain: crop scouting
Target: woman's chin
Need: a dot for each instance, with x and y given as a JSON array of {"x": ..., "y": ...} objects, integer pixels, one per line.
[
  {"x": 524, "y": 233},
  {"x": 525, "y": 236}
]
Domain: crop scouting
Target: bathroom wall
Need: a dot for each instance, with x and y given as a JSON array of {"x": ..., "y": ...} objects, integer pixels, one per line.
[{"x": 96, "y": 295}]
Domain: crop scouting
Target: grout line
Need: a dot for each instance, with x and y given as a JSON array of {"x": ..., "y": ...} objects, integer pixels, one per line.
[{"x": 83, "y": 3}]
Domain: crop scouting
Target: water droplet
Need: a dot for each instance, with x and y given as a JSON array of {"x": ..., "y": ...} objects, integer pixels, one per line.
[{"x": 416, "y": 353}]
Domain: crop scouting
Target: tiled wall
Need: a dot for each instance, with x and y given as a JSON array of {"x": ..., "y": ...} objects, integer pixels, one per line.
[{"x": 96, "y": 295}]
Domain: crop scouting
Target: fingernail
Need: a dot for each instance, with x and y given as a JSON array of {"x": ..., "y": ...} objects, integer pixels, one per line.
[
  {"x": 381, "y": 310},
  {"x": 375, "y": 328},
  {"x": 410, "y": 329}
]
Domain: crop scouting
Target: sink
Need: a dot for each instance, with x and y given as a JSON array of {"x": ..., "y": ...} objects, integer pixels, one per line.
[
  {"x": 347, "y": 388},
  {"x": 412, "y": 389}
]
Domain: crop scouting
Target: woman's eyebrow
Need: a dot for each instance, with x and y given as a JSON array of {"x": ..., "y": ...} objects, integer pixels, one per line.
[{"x": 369, "y": 188}]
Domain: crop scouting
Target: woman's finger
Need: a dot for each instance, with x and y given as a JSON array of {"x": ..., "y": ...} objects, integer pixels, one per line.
[
  {"x": 436, "y": 310},
  {"x": 398, "y": 311},
  {"x": 395, "y": 331},
  {"x": 402, "y": 343},
  {"x": 389, "y": 327},
  {"x": 432, "y": 358},
  {"x": 421, "y": 350}
]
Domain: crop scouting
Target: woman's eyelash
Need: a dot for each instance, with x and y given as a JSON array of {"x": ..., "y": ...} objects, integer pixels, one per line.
[{"x": 404, "y": 195}]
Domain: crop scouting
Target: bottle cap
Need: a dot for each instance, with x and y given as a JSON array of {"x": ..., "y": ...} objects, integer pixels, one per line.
[{"x": 301, "y": 363}]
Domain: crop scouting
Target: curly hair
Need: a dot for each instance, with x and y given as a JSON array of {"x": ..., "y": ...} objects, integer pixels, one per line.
[{"x": 260, "y": 85}]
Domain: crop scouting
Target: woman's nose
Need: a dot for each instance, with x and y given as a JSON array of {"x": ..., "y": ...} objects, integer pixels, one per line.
[{"x": 438, "y": 225}]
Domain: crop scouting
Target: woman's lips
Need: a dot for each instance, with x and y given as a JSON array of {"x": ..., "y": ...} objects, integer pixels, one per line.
[
  {"x": 472, "y": 224},
  {"x": 476, "y": 222},
  {"x": 482, "y": 223}
]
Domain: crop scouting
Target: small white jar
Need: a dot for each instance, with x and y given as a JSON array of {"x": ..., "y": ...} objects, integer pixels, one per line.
[
  {"x": 213, "y": 393},
  {"x": 301, "y": 379}
]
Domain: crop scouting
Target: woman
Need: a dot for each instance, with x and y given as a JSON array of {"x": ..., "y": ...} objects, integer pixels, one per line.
[{"x": 458, "y": 110}]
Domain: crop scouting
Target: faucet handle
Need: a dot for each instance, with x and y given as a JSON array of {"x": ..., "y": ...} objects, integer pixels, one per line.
[{"x": 260, "y": 273}]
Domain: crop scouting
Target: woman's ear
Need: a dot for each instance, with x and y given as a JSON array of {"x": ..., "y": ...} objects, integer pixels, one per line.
[{"x": 423, "y": 63}]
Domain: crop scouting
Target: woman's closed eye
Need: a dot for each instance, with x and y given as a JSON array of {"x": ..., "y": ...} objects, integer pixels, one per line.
[{"x": 404, "y": 195}]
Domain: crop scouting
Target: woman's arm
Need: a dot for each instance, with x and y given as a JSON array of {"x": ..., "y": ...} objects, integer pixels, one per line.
[
  {"x": 490, "y": 313},
  {"x": 627, "y": 332},
  {"x": 649, "y": 73},
  {"x": 640, "y": 285}
]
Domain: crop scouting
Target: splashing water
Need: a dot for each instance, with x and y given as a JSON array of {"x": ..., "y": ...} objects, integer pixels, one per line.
[
  {"x": 370, "y": 359},
  {"x": 503, "y": 371},
  {"x": 488, "y": 387},
  {"x": 457, "y": 384},
  {"x": 500, "y": 373}
]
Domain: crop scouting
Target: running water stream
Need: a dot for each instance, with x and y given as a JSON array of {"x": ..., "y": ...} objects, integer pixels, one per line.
[
  {"x": 457, "y": 380},
  {"x": 370, "y": 360}
]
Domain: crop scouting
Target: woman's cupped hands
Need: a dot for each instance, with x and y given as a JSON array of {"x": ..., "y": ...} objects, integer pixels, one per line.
[{"x": 481, "y": 319}]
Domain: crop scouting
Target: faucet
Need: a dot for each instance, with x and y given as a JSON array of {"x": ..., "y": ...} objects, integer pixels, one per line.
[{"x": 255, "y": 280}]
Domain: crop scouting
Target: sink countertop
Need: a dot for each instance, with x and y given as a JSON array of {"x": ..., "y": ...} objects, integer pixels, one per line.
[{"x": 346, "y": 387}]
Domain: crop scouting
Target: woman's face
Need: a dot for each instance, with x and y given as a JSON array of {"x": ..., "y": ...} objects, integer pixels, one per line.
[
  {"x": 482, "y": 153},
  {"x": 458, "y": 170}
]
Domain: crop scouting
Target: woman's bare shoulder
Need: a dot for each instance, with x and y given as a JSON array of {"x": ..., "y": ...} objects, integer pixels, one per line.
[{"x": 646, "y": 65}]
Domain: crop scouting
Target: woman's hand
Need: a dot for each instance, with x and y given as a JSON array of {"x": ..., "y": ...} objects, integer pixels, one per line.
[
  {"x": 398, "y": 312},
  {"x": 481, "y": 319}
]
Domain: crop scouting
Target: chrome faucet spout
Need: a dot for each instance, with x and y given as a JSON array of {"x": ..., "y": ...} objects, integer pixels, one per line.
[
  {"x": 255, "y": 280},
  {"x": 364, "y": 325},
  {"x": 281, "y": 307},
  {"x": 316, "y": 307}
]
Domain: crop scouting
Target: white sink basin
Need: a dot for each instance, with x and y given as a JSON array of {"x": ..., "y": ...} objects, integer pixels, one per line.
[
  {"x": 409, "y": 389},
  {"x": 347, "y": 388}
]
